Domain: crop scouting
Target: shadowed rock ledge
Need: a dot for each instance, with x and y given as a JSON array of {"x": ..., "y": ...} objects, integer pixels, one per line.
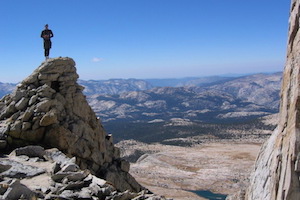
[
  {"x": 48, "y": 108},
  {"x": 277, "y": 168}
]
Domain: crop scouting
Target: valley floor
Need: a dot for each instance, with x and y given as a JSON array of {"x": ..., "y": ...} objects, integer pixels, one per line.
[{"x": 173, "y": 171}]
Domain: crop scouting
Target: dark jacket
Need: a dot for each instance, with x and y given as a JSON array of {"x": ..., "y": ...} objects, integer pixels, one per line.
[{"x": 47, "y": 41}]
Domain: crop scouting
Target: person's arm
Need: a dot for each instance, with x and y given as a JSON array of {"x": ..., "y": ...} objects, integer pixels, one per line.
[
  {"x": 51, "y": 34},
  {"x": 42, "y": 34}
]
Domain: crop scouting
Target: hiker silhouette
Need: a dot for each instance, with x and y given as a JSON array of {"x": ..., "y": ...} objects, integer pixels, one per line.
[{"x": 47, "y": 34}]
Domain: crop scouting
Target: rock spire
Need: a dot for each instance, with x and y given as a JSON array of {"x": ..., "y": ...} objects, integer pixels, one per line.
[{"x": 48, "y": 108}]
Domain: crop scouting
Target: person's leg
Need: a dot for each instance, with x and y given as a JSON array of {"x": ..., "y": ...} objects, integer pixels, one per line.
[
  {"x": 47, "y": 53},
  {"x": 47, "y": 46}
]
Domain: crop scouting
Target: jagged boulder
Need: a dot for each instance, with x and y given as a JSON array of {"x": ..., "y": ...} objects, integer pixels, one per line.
[
  {"x": 48, "y": 108},
  {"x": 277, "y": 169}
]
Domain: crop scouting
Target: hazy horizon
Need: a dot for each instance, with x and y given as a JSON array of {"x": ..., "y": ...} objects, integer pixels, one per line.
[{"x": 168, "y": 78}]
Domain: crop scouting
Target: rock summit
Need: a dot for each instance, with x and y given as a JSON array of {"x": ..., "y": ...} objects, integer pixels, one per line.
[{"x": 49, "y": 109}]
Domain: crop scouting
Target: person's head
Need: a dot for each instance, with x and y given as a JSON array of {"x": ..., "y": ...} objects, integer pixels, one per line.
[{"x": 46, "y": 26}]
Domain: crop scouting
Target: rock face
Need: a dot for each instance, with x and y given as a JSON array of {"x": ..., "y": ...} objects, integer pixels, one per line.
[
  {"x": 277, "y": 168},
  {"x": 49, "y": 108}
]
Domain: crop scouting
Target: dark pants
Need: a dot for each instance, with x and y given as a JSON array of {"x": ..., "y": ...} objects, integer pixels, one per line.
[
  {"x": 47, "y": 52},
  {"x": 47, "y": 47}
]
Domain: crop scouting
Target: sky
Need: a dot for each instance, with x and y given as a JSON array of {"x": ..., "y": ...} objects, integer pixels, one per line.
[{"x": 145, "y": 38}]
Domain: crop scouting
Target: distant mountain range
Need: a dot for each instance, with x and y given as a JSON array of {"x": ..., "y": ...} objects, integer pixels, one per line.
[
  {"x": 6, "y": 88},
  {"x": 118, "y": 86},
  {"x": 130, "y": 107},
  {"x": 218, "y": 107},
  {"x": 114, "y": 86},
  {"x": 204, "y": 99},
  {"x": 200, "y": 81}
]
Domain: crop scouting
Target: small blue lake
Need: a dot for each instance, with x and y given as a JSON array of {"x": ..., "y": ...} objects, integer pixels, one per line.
[{"x": 210, "y": 195}]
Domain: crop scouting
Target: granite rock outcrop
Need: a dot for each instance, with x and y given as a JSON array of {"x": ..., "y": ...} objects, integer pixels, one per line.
[
  {"x": 48, "y": 108},
  {"x": 277, "y": 169}
]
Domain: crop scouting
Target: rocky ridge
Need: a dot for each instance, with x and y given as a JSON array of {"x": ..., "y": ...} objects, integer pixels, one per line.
[
  {"x": 48, "y": 108},
  {"x": 277, "y": 169}
]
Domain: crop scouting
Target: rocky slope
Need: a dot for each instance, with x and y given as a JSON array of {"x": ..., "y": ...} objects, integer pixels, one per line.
[
  {"x": 48, "y": 108},
  {"x": 32, "y": 172},
  {"x": 277, "y": 168}
]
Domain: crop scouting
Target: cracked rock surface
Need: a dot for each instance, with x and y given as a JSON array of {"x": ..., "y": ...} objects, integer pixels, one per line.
[{"x": 55, "y": 176}]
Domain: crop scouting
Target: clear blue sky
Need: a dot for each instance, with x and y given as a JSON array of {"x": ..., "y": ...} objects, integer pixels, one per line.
[{"x": 145, "y": 38}]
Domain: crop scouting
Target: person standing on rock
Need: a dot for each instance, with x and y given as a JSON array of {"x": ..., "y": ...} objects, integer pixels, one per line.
[{"x": 46, "y": 35}]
